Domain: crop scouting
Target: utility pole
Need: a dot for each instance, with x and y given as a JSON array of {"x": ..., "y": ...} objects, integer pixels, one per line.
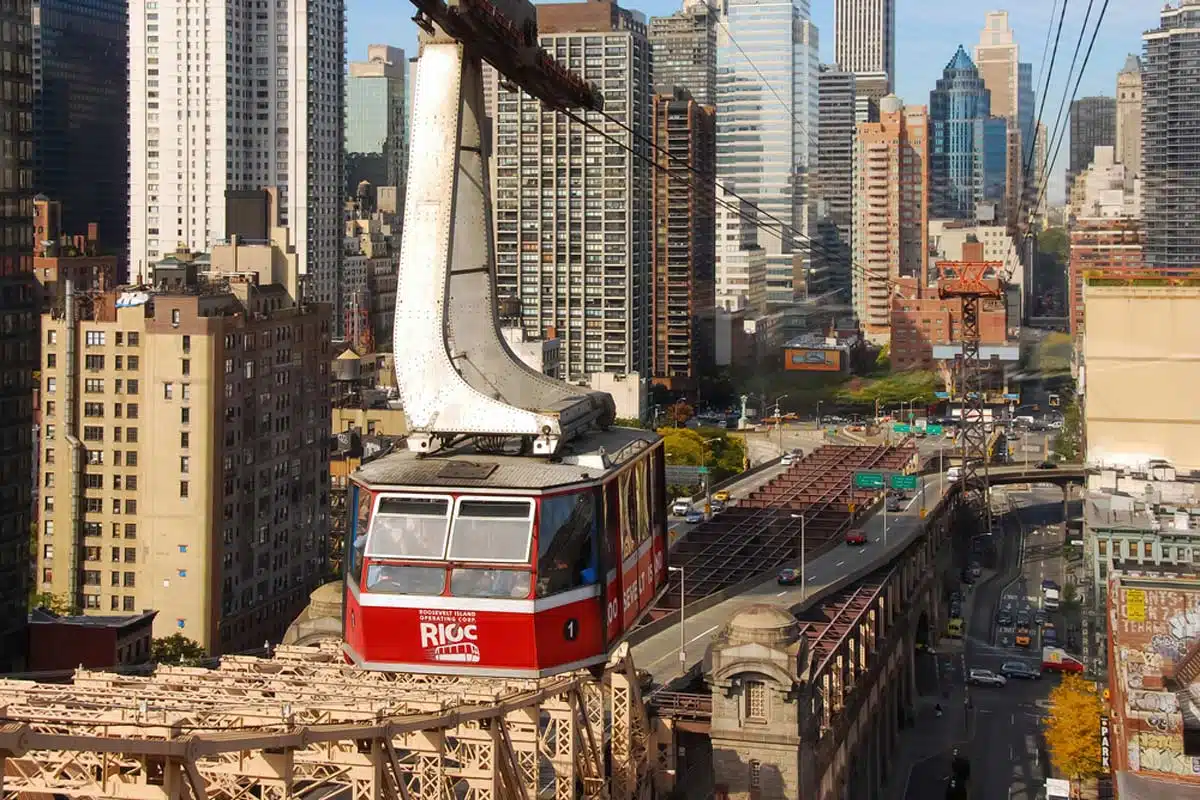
[{"x": 972, "y": 282}]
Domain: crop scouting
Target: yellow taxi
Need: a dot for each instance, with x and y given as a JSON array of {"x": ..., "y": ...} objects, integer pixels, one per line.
[{"x": 722, "y": 496}]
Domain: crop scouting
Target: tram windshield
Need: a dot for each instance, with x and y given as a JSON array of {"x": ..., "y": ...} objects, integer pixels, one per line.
[
  {"x": 492, "y": 530},
  {"x": 410, "y": 528}
]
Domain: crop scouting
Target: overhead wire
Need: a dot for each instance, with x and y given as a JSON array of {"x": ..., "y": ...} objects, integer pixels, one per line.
[
  {"x": 1075, "y": 91},
  {"x": 1059, "y": 118},
  {"x": 1049, "y": 73}
]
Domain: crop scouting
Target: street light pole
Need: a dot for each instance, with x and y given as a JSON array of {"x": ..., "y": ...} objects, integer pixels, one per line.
[
  {"x": 707, "y": 477},
  {"x": 682, "y": 619}
]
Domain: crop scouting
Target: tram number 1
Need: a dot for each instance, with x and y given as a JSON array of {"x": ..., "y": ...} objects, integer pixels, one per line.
[{"x": 571, "y": 629}]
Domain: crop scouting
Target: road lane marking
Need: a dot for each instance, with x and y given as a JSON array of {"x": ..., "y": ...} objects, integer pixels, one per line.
[
  {"x": 702, "y": 635},
  {"x": 838, "y": 564},
  {"x": 781, "y": 594}
]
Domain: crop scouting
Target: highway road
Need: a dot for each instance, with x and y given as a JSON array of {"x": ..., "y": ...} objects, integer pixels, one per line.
[{"x": 660, "y": 653}]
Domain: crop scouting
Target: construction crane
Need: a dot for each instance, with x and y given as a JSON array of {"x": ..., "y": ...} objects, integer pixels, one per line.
[{"x": 972, "y": 282}]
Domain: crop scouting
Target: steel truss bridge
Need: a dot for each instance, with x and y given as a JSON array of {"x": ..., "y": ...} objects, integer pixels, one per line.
[{"x": 304, "y": 724}]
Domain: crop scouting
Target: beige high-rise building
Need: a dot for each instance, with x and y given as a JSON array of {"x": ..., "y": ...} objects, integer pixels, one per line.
[
  {"x": 1129, "y": 117},
  {"x": 891, "y": 209},
  {"x": 997, "y": 56},
  {"x": 185, "y": 446}
]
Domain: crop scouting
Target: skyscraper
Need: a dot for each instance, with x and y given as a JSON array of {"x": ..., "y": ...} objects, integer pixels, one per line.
[
  {"x": 230, "y": 95},
  {"x": 573, "y": 239},
  {"x": 1129, "y": 117},
  {"x": 864, "y": 34},
  {"x": 1010, "y": 84},
  {"x": 767, "y": 132},
  {"x": 967, "y": 146},
  {"x": 834, "y": 177},
  {"x": 891, "y": 210},
  {"x": 1170, "y": 158},
  {"x": 1093, "y": 124},
  {"x": 684, "y": 49},
  {"x": 683, "y": 210},
  {"x": 81, "y": 113},
  {"x": 376, "y": 104},
  {"x": 19, "y": 324}
]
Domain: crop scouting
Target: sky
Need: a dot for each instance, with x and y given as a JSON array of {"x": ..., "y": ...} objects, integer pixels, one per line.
[{"x": 927, "y": 34}]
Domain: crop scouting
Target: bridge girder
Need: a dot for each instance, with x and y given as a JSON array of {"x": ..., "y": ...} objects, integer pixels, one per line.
[{"x": 301, "y": 723}]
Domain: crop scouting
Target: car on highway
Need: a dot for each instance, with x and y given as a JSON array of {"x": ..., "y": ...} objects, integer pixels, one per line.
[
  {"x": 985, "y": 677},
  {"x": 721, "y": 496},
  {"x": 1039, "y": 616},
  {"x": 692, "y": 517},
  {"x": 1022, "y": 638},
  {"x": 1019, "y": 669},
  {"x": 787, "y": 460},
  {"x": 1004, "y": 618},
  {"x": 1023, "y": 617},
  {"x": 717, "y": 506},
  {"x": 1049, "y": 635},
  {"x": 856, "y": 537},
  {"x": 893, "y": 503},
  {"x": 788, "y": 576},
  {"x": 681, "y": 506},
  {"x": 1047, "y": 465},
  {"x": 1049, "y": 584}
]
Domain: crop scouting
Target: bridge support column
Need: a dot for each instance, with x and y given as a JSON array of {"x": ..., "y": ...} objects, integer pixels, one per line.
[{"x": 1066, "y": 508}]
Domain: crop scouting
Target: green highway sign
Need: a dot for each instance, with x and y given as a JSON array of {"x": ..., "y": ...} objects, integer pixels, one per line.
[
  {"x": 703, "y": 470},
  {"x": 905, "y": 483},
  {"x": 901, "y": 427},
  {"x": 868, "y": 480},
  {"x": 933, "y": 430}
]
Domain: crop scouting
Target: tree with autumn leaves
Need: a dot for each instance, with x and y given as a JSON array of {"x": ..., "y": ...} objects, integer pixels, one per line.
[{"x": 1073, "y": 729}]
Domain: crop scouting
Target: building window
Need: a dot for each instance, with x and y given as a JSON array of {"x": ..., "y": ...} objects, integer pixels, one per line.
[
  {"x": 93, "y": 386},
  {"x": 130, "y": 579},
  {"x": 50, "y": 408},
  {"x": 756, "y": 700},
  {"x": 131, "y": 435},
  {"x": 185, "y": 391},
  {"x": 133, "y": 339},
  {"x": 184, "y": 439},
  {"x": 131, "y": 386},
  {"x": 116, "y": 482},
  {"x": 94, "y": 363},
  {"x": 185, "y": 463},
  {"x": 187, "y": 366},
  {"x": 187, "y": 344},
  {"x": 185, "y": 416},
  {"x": 131, "y": 458},
  {"x": 130, "y": 555},
  {"x": 51, "y": 337},
  {"x": 91, "y": 601},
  {"x": 47, "y": 575},
  {"x": 131, "y": 410},
  {"x": 93, "y": 433},
  {"x": 91, "y": 554},
  {"x": 49, "y": 455},
  {"x": 130, "y": 530},
  {"x": 114, "y": 603},
  {"x": 127, "y": 603},
  {"x": 131, "y": 482},
  {"x": 183, "y": 488},
  {"x": 183, "y": 548},
  {"x": 94, "y": 338},
  {"x": 49, "y": 480},
  {"x": 755, "y": 774},
  {"x": 51, "y": 385},
  {"x": 93, "y": 409},
  {"x": 91, "y": 577},
  {"x": 132, "y": 362},
  {"x": 51, "y": 360},
  {"x": 168, "y": 391},
  {"x": 49, "y": 524},
  {"x": 183, "y": 573},
  {"x": 131, "y": 506}
]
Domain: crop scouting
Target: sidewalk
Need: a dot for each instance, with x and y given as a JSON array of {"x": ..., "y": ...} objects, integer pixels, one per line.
[{"x": 932, "y": 737}]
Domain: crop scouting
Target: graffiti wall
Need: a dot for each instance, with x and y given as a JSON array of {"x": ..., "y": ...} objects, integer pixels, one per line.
[{"x": 1154, "y": 627}]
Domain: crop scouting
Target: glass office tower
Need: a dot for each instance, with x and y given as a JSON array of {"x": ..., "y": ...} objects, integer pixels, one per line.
[
  {"x": 958, "y": 108},
  {"x": 767, "y": 100}
]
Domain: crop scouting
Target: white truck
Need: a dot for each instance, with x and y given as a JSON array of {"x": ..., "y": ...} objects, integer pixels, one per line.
[{"x": 1051, "y": 599}]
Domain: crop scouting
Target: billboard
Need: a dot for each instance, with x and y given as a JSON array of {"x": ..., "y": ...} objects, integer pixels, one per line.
[{"x": 812, "y": 359}]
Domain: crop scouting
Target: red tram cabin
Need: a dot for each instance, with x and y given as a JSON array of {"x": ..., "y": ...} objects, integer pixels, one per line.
[{"x": 504, "y": 565}]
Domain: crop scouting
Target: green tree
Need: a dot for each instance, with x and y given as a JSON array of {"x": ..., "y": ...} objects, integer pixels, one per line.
[
  {"x": 628, "y": 422},
  {"x": 1068, "y": 444},
  {"x": 883, "y": 360},
  {"x": 724, "y": 456},
  {"x": 900, "y": 387},
  {"x": 176, "y": 648},
  {"x": 59, "y": 604},
  {"x": 679, "y": 413},
  {"x": 1073, "y": 730}
]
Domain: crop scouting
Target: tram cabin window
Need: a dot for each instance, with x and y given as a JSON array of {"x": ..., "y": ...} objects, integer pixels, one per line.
[
  {"x": 512, "y": 584},
  {"x": 410, "y": 527},
  {"x": 400, "y": 579},
  {"x": 492, "y": 530},
  {"x": 568, "y": 543}
]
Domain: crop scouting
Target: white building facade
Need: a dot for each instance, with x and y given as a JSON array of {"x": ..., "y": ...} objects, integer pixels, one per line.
[{"x": 236, "y": 95}]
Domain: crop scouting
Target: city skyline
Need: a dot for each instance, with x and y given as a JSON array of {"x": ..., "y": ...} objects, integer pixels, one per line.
[{"x": 926, "y": 38}]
